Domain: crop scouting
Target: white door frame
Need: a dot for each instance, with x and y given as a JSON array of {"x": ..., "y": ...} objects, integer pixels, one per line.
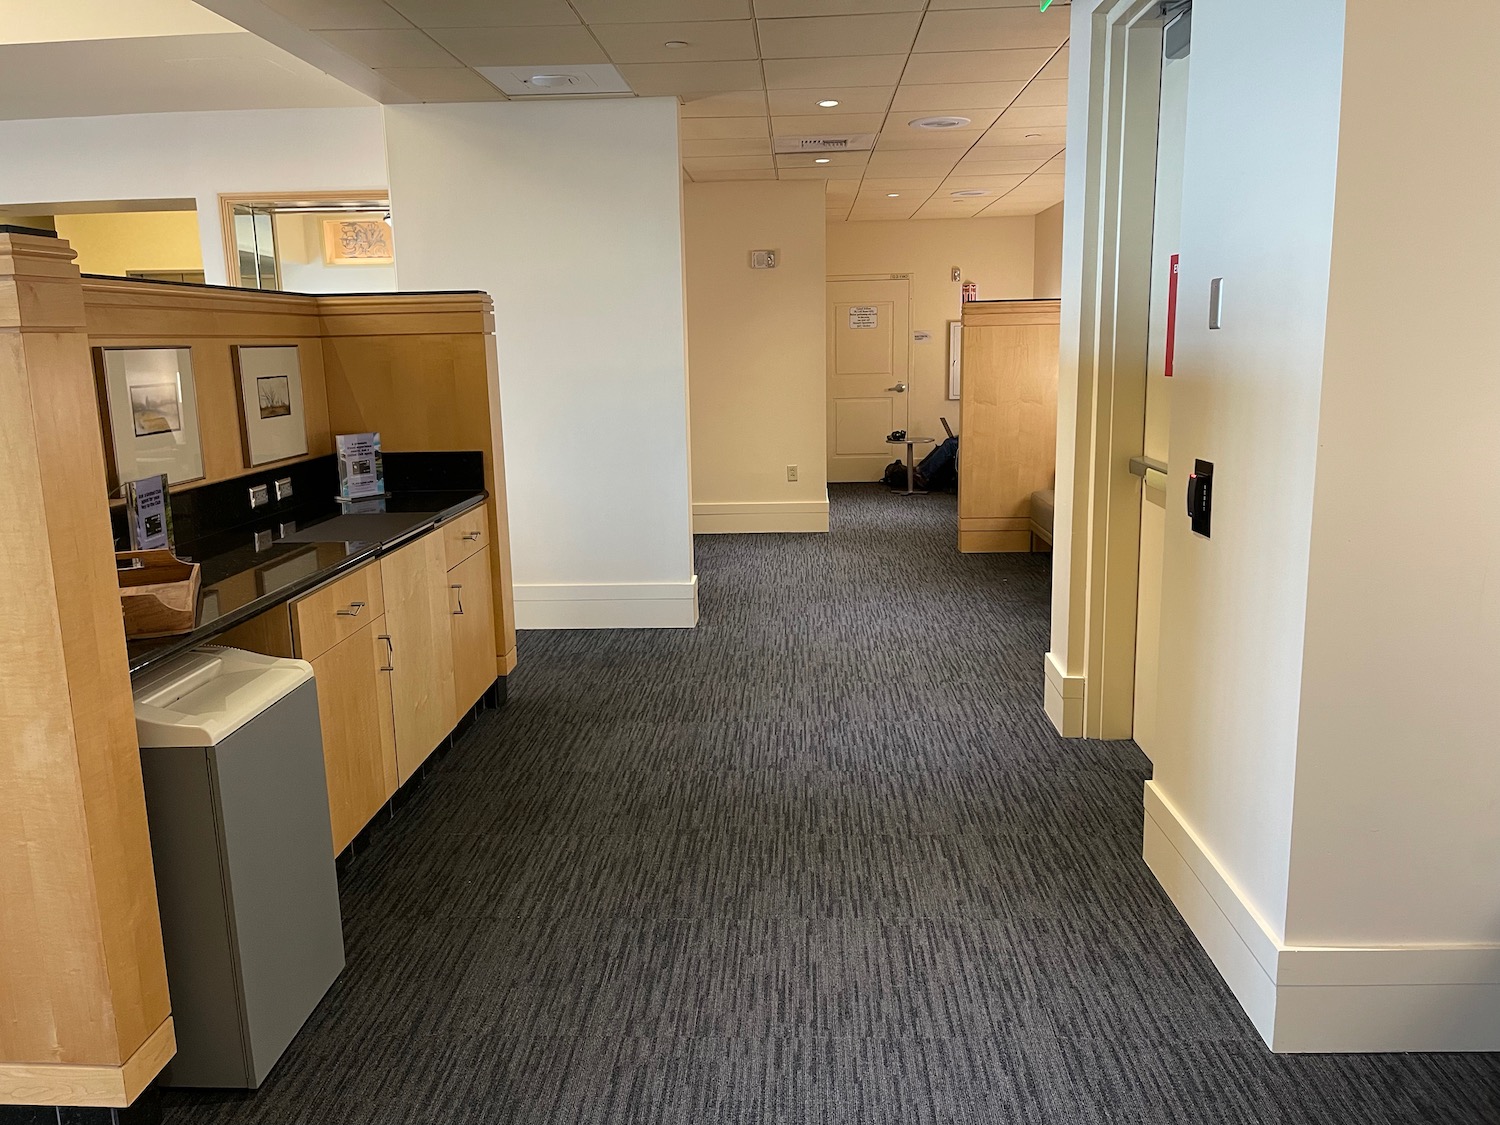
[{"x": 1114, "y": 100}]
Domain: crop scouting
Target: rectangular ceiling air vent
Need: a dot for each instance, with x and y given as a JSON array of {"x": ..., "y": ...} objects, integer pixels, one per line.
[{"x": 850, "y": 142}]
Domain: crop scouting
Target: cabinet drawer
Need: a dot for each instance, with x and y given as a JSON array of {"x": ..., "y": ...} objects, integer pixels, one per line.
[
  {"x": 326, "y": 616},
  {"x": 465, "y": 534}
]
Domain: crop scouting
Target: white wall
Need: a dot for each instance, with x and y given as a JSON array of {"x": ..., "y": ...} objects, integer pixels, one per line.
[
  {"x": 757, "y": 356},
  {"x": 304, "y": 267},
  {"x": 191, "y": 156},
  {"x": 1047, "y": 270},
  {"x": 571, "y": 219}
]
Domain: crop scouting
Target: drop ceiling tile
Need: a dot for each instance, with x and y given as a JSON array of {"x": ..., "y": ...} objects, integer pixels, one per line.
[
  {"x": 1007, "y": 153},
  {"x": 854, "y": 175},
  {"x": 739, "y": 174},
  {"x": 855, "y": 99},
  {"x": 993, "y": 29},
  {"x": 521, "y": 46},
  {"x": 1044, "y": 91},
  {"x": 1057, "y": 68},
  {"x": 727, "y": 146},
  {"x": 660, "y": 11},
  {"x": 390, "y": 48},
  {"x": 841, "y": 189},
  {"x": 811, "y": 125},
  {"x": 442, "y": 83},
  {"x": 715, "y": 128},
  {"x": 1030, "y": 116},
  {"x": 327, "y": 15},
  {"x": 1011, "y": 208},
  {"x": 657, "y": 79},
  {"x": 810, "y": 159},
  {"x": 706, "y": 41},
  {"x": 486, "y": 13},
  {"x": 979, "y": 119},
  {"x": 976, "y": 66},
  {"x": 853, "y": 70},
  {"x": 940, "y": 5},
  {"x": 995, "y": 185},
  {"x": 991, "y": 95},
  {"x": 927, "y": 184},
  {"x": 1047, "y": 188},
  {"x": 912, "y": 162},
  {"x": 699, "y": 164},
  {"x": 834, "y": 36},
  {"x": 922, "y": 139},
  {"x": 778, "y": 9},
  {"x": 734, "y": 103},
  {"x": 1000, "y": 136},
  {"x": 976, "y": 165},
  {"x": 1057, "y": 166}
]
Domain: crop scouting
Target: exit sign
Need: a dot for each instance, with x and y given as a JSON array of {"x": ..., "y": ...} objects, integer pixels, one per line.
[{"x": 1046, "y": 4}]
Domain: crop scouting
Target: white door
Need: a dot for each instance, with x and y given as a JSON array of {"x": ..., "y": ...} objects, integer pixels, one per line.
[{"x": 869, "y": 371}]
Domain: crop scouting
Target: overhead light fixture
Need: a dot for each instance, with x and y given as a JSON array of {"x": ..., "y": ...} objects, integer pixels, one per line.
[
  {"x": 823, "y": 160},
  {"x": 893, "y": 195},
  {"x": 948, "y": 122},
  {"x": 675, "y": 44},
  {"x": 968, "y": 193},
  {"x": 828, "y": 103}
]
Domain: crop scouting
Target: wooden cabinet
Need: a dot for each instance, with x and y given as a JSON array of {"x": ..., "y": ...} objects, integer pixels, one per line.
[
  {"x": 338, "y": 610},
  {"x": 1008, "y": 413},
  {"x": 473, "y": 623},
  {"x": 417, "y": 621},
  {"x": 359, "y": 738},
  {"x": 465, "y": 534}
]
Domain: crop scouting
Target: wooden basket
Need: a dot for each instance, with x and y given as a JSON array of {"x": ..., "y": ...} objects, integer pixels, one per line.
[{"x": 159, "y": 597}]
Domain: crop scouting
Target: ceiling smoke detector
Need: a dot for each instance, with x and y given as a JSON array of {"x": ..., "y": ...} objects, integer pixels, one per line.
[{"x": 938, "y": 122}]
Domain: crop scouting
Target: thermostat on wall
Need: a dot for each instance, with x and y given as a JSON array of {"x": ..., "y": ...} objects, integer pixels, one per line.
[{"x": 763, "y": 259}]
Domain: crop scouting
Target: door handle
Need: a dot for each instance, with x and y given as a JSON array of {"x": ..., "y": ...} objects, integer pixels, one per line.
[
  {"x": 459, "y": 612},
  {"x": 469, "y": 537},
  {"x": 899, "y": 387},
  {"x": 390, "y": 654},
  {"x": 352, "y": 611}
]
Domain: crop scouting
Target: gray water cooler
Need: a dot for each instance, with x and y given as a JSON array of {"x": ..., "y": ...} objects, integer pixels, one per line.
[{"x": 237, "y": 803}]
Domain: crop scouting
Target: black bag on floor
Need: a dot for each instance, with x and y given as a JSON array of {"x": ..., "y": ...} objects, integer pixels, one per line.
[
  {"x": 895, "y": 475},
  {"x": 939, "y": 469}
]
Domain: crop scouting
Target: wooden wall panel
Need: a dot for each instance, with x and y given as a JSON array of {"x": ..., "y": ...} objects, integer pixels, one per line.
[
  {"x": 84, "y": 980},
  {"x": 1008, "y": 413}
]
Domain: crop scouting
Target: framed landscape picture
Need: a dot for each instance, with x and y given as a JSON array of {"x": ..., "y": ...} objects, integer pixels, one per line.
[
  {"x": 150, "y": 414},
  {"x": 272, "y": 424}
]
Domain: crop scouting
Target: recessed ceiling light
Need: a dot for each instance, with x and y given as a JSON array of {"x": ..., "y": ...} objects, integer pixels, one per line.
[
  {"x": 893, "y": 195},
  {"x": 938, "y": 122},
  {"x": 675, "y": 44},
  {"x": 828, "y": 103},
  {"x": 822, "y": 160},
  {"x": 968, "y": 193}
]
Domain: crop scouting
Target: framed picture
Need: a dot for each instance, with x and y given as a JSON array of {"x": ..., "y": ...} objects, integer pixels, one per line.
[
  {"x": 358, "y": 242},
  {"x": 272, "y": 424},
  {"x": 955, "y": 358},
  {"x": 150, "y": 414}
]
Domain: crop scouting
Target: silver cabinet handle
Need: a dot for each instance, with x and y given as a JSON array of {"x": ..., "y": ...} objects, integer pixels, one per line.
[
  {"x": 390, "y": 654},
  {"x": 352, "y": 611},
  {"x": 459, "y": 612},
  {"x": 469, "y": 537},
  {"x": 897, "y": 387}
]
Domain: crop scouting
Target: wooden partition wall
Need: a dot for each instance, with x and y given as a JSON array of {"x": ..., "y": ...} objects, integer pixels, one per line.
[
  {"x": 84, "y": 1010},
  {"x": 1008, "y": 420}
]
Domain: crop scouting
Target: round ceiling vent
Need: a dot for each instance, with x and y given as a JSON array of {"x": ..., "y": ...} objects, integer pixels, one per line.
[
  {"x": 938, "y": 122},
  {"x": 969, "y": 193}
]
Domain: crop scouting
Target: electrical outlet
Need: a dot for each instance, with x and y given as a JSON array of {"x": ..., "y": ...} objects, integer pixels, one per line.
[
  {"x": 260, "y": 496},
  {"x": 283, "y": 489},
  {"x": 791, "y": 472}
]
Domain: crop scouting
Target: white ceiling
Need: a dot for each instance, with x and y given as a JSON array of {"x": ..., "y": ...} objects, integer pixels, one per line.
[{"x": 750, "y": 71}]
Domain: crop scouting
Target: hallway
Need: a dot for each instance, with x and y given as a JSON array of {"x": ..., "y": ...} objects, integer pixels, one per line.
[{"x": 820, "y": 860}]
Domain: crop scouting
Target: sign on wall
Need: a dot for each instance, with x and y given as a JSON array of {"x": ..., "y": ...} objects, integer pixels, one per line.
[{"x": 863, "y": 316}]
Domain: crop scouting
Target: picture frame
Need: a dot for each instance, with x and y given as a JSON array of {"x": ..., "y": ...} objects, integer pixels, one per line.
[
  {"x": 955, "y": 359},
  {"x": 358, "y": 242},
  {"x": 148, "y": 406},
  {"x": 268, "y": 384}
]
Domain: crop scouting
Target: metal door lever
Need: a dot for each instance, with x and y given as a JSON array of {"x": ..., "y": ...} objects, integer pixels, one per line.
[{"x": 897, "y": 387}]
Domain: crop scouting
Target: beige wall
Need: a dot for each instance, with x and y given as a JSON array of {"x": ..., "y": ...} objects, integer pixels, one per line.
[
  {"x": 1047, "y": 273},
  {"x": 133, "y": 240},
  {"x": 756, "y": 356},
  {"x": 996, "y": 254}
]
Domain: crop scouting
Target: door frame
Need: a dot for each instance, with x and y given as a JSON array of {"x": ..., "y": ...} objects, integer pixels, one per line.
[
  {"x": 910, "y": 313},
  {"x": 371, "y": 199},
  {"x": 1114, "y": 103}
]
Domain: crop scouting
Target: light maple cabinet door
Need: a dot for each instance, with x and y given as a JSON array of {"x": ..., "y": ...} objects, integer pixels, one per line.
[
  {"x": 415, "y": 586},
  {"x": 472, "y": 618},
  {"x": 359, "y": 746}
]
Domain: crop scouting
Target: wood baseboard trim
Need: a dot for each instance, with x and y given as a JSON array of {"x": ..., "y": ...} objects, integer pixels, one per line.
[
  {"x": 994, "y": 542},
  {"x": 508, "y": 662},
  {"x": 68, "y": 1084}
]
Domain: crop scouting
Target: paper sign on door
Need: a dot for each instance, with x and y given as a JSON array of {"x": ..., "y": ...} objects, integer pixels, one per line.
[{"x": 862, "y": 316}]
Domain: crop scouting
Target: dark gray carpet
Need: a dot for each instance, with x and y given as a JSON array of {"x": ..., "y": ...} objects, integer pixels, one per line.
[{"x": 821, "y": 861}]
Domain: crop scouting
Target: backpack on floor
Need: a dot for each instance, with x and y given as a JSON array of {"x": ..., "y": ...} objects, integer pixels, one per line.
[{"x": 895, "y": 475}]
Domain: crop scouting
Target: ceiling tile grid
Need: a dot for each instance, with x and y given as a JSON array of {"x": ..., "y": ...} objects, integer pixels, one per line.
[{"x": 751, "y": 72}]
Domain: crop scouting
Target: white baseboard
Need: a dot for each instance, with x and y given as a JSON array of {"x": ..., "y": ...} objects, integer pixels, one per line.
[
  {"x": 753, "y": 516},
  {"x": 1323, "y": 998},
  {"x": 1064, "y": 699},
  {"x": 640, "y": 605}
]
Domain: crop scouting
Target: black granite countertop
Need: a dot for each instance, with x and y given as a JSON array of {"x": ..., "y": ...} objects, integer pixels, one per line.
[{"x": 250, "y": 569}]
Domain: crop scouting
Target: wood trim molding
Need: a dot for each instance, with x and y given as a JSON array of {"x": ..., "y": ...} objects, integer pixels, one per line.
[
  {"x": 228, "y": 201},
  {"x": 106, "y": 1086}
]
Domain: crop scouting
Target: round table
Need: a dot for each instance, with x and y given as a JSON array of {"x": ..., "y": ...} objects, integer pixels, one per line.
[{"x": 911, "y": 470}]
